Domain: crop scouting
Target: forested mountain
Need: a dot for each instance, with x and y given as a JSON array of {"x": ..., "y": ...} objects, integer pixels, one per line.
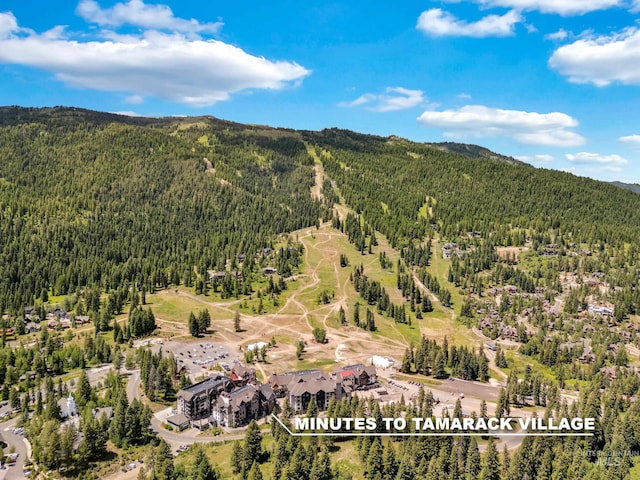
[
  {"x": 389, "y": 181},
  {"x": 96, "y": 199},
  {"x": 475, "y": 151},
  {"x": 89, "y": 198}
]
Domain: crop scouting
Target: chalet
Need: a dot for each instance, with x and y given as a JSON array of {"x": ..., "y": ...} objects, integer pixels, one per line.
[
  {"x": 304, "y": 385},
  {"x": 321, "y": 389},
  {"x": 213, "y": 275},
  {"x": 241, "y": 375},
  {"x": 587, "y": 356},
  {"x": 609, "y": 372},
  {"x": 197, "y": 400},
  {"x": 605, "y": 311},
  {"x": 356, "y": 377},
  {"x": 491, "y": 346},
  {"x": 447, "y": 249},
  {"x": 268, "y": 271},
  {"x": 237, "y": 408},
  {"x": 31, "y": 327},
  {"x": 486, "y": 322},
  {"x": 82, "y": 319},
  {"x": 511, "y": 289}
]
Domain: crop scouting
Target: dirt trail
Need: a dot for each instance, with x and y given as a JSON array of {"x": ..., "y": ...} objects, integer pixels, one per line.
[{"x": 316, "y": 190}]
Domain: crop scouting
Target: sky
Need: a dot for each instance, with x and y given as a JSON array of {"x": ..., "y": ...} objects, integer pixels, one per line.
[{"x": 555, "y": 83}]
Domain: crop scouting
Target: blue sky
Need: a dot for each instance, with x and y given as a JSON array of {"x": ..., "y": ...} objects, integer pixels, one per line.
[{"x": 553, "y": 82}]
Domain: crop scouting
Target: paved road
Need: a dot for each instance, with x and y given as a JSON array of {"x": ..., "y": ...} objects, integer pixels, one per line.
[
  {"x": 16, "y": 470},
  {"x": 174, "y": 439}
]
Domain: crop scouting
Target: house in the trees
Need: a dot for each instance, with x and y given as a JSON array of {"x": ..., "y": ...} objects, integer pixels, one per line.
[{"x": 31, "y": 327}]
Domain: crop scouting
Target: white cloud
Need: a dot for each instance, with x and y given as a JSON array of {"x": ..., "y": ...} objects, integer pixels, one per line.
[
  {"x": 134, "y": 99},
  {"x": 560, "y": 7},
  {"x": 601, "y": 60},
  {"x": 587, "y": 158},
  {"x": 170, "y": 66},
  {"x": 635, "y": 7},
  {"x": 464, "y": 96},
  {"x": 561, "y": 34},
  {"x": 394, "y": 98},
  {"x": 542, "y": 158},
  {"x": 8, "y": 25},
  {"x": 630, "y": 139},
  {"x": 128, "y": 113},
  {"x": 439, "y": 23},
  {"x": 136, "y": 12},
  {"x": 525, "y": 127}
]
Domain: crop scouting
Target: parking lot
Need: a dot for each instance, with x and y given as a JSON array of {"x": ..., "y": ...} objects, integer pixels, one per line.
[{"x": 200, "y": 357}]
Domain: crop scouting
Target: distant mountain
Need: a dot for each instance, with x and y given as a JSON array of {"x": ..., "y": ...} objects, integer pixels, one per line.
[{"x": 634, "y": 187}]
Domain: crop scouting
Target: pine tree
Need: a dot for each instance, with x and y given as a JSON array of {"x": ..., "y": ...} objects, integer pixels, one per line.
[
  {"x": 374, "y": 462},
  {"x": 236, "y": 321},
  {"x": 254, "y": 472},
  {"x": 163, "y": 468},
  {"x": 202, "y": 469},
  {"x": 389, "y": 461},
  {"x": 237, "y": 457},
  {"x": 406, "y": 362},
  {"x": 321, "y": 468},
  {"x": 356, "y": 314},
  {"x": 204, "y": 320},
  {"x": 84, "y": 390},
  {"x": 252, "y": 445},
  {"x": 312, "y": 408},
  {"x": 406, "y": 470},
  {"x": 194, "y": 328},
  {"x": 491, "y": 469},
  {"x": 438, "y": 366},
  {"x": 472, "y": 464},
  {"x": 341, "y": 316}
]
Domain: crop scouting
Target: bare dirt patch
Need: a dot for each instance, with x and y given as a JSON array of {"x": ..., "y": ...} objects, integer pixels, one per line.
[{"x": 513, "y": 252}]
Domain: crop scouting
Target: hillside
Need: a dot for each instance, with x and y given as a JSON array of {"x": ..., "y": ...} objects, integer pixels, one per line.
[{"x": 90, "y": 198}]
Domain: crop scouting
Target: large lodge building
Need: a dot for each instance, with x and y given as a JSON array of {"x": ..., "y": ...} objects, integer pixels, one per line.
[{"x": 236, "y": 400}]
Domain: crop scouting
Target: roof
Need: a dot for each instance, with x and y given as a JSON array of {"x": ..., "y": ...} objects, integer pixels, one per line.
[
  {"x": 210, "y": 383},
  {"x": 236, "y": 398},
  {"x": 284, "y": 379},
  {"x": 313, "y": 386},
  {"x": 178, "y": 419},
  {"x": 267, "y": 391},
  {"x": 355, "y": 369}
]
